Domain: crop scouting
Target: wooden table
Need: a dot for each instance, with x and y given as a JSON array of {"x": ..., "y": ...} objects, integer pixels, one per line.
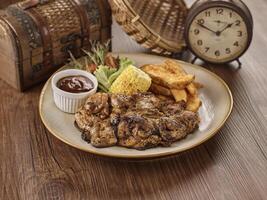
[{"x": 232, "y": 165}]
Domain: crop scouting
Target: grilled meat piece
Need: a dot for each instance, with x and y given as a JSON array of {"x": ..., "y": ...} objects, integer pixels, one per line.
[
  {"x": 146, "y": 105},
  {"x": 85, "y": 120},
  {"x": 137, "y": 132},
  {"x": 139, "y": 121},
  {"x": 98, "y": 105},
  {"x": 120, "y": 102},
  {"x": 152, "y": 114},
  {"x": 103, "y": 134},
  {"x": 178, "y": 126},
  {"x": 99, "y": 132},
  {"x": 146, "y": 101},
  {"x": 114, "y": 119},
  {"x": 173, "y": 108},
  {"x": 93, "y": 122}
]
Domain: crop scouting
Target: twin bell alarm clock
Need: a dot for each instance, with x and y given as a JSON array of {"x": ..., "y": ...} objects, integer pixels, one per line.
[{"x": 218, "y": 31}]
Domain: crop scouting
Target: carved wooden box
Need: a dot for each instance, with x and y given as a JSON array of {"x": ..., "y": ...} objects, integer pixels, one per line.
[{"x": 35, "y": 36}]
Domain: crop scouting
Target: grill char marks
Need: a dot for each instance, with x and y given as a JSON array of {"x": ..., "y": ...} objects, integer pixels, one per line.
[
  {"x": 140, "y": 121},
  {"x": 178, "y": 126},
  {"x": 135, "y": 131},
  {"x": 98, "y": 105},
  {"x": 93, "y": 120}
]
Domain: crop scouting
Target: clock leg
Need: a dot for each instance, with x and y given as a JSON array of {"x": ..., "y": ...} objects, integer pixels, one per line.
[
  {"x": 177, "y": 55},
  {"x": 239, "y": 64},
  {"x": 194, "y": 60}
]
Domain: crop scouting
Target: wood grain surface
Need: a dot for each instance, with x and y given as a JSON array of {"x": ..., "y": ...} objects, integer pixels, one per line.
[
  {"x": 232, "y": 165},
  {"x": 4, "y": 3}
]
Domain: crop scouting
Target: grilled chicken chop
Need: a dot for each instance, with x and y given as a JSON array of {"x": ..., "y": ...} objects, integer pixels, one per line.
[
  {"x": 135, "y": 131},
  {"x": 92, "y": 120},
  {"x": 139, "y": 121},
  {"x": 178, "y": 126}
]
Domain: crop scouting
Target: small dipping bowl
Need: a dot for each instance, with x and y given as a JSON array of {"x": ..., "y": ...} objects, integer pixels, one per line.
[{"x": 70, "y": 102}]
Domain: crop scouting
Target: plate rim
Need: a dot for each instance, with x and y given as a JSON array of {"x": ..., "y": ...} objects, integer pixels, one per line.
[{"x": 163, "y": 154}]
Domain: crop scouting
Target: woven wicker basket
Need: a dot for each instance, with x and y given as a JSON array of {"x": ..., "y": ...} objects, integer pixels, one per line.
[{"x": 155, "y": 24}]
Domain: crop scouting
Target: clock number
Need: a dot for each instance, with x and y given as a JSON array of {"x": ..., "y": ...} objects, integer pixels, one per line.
[
  {"x": 200, "y": 21},
  {"x": 217, "y": 53},
  {"x": 240, "y": 33},
  {"x": 207, "y": 13},
  {"x": 196, "y": 31},
  {"x": 207, "y": 49},
  {"x": 227, "y": 50},
  {"x": 219, "y": 11},
  {"x": 237, "y": 22},
  {"x": 231, "y": 14},
  {"x": 236, "y": 44},
  {"x": 199, "y": 42}
]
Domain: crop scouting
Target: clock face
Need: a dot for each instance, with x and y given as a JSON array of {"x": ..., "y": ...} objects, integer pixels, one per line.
[{"x": 218, "y": 34}]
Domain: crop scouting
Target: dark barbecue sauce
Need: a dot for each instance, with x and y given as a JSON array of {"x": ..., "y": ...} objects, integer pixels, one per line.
[{"x": 75, "y": 84}]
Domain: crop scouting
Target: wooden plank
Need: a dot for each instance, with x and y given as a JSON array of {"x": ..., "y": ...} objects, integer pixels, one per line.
[
  {"x": 232, "y": 165},
  {"x": 5, "y": 3}
]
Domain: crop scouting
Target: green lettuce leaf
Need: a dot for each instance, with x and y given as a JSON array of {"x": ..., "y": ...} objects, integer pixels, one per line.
[
  {"x": 106, "y": 75},
  {"x": 124, "y": 63},
  {"x": 102, "y": 75}
]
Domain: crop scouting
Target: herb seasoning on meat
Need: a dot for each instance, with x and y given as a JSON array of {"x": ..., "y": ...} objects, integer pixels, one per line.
[
  {"x": 75, "y": 84},
  {"x": 138, "y": 121}
]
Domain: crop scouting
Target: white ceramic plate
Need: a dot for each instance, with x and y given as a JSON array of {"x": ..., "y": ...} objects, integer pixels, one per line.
[{"x": 217, "y": 105}]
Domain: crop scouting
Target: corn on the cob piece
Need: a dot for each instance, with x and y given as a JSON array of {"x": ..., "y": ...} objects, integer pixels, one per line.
[{"x": 131, "y": 80}]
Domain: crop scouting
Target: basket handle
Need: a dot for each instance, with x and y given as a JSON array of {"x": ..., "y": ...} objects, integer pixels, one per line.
[{"x": 24, "y": 5}]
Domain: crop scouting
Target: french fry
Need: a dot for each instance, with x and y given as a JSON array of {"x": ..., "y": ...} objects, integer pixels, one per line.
[
  {"x": 170, "y": 79},
  {"x": 179, "y": 95},
  {"x": 174, "y": 67},
  {"x": 193, "y": 103},
  {"x": 192, "y": 90},
  {"x": 164, "y": 77},
  {"x": 198, "y": 85},
  {"x": 164, "y": 98},
  {"x": 158, "y": 89}
]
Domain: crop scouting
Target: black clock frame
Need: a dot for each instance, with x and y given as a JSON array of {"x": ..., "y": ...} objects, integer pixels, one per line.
[{"x": 235, "y": 5}]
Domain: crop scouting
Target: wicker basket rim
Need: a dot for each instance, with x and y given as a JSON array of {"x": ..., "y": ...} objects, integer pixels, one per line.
[{"x": 166, "y": 42}]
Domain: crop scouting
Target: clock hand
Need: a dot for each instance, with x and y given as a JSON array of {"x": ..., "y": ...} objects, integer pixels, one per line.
[
  {"x": 205, "y": 27},
  {"x": 228, "y": 26}
]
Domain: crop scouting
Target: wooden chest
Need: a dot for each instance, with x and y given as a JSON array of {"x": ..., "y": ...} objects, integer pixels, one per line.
[
  {"x": 5, "y": 3},
  {"x": 37, "y": 35}
]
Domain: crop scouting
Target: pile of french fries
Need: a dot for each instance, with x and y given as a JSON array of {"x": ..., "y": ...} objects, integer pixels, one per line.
[{"x": 170, "y": 79}]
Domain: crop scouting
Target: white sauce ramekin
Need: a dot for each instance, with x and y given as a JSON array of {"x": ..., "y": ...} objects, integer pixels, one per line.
[{"x": 71, "y": 102}]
